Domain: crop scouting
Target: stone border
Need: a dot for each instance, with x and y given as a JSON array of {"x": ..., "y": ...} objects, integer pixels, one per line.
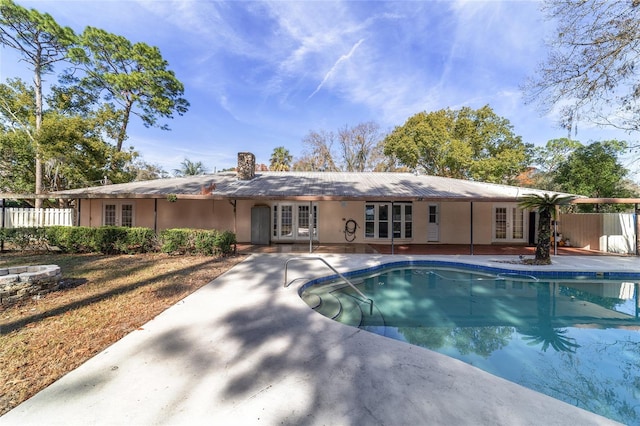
[{"x": 21, "y": 282}]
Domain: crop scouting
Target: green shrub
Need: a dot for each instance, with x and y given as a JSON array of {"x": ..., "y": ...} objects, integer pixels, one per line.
[
  {"x": 140, "y": 240},
  {"x": 175, "y": 241},
  {"x": 26, "y": 238},
  {"x": 72, "y": 239},
  {"x": 117, "y": 239},
  {"x": 226, "y": 242},
  {"x": 105, "y": 239},
  {"x": 205, "y": 241}
]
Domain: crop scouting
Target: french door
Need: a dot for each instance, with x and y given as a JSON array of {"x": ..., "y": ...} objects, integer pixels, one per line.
[
  {"x": 509, "y": 223},
  {"x": 294, "y": 221},
  {"x": 117, "y": 214}
]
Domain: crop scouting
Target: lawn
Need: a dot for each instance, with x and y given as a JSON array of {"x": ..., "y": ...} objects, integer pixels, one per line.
[{"x": 101, "y": 300}]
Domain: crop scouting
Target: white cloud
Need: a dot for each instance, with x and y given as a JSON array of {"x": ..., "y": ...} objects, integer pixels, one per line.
[{"x": 334, "y": 69}]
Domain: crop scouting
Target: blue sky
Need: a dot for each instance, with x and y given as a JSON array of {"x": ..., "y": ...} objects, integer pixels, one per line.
[{"x": 264, "y": 74}]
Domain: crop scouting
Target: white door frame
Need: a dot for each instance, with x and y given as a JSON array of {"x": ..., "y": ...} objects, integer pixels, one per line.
[
  {"x": 433, "y": 222},
  {"x": 292, "y": 220},
  {"x": 509, "y": 223}
]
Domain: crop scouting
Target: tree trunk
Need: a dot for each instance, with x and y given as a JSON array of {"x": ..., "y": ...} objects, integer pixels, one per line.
[
  {"x": 37, "y": 80},
  {"x": 543, "y": 248}
]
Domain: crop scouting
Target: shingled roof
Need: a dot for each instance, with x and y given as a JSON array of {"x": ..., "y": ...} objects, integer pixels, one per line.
[{"x": 309, "y": 186}]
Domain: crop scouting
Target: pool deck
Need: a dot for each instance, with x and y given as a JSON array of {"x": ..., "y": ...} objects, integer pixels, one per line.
[{"x": 244, "y": 350}]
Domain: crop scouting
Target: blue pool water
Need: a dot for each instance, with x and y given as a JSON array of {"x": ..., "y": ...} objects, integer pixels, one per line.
[{"x": 576, "y": 339}]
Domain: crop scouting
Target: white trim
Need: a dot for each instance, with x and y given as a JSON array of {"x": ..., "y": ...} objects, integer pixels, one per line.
[
  {"x": 119, "y": 209},
  {"x": 515, "y": 222},
  {"x": 379, "y": 215},
  {"x": 296, "y": 222}
]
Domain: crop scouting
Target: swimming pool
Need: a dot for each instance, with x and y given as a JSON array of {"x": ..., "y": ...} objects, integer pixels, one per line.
[{"x": 573, "y": 336}]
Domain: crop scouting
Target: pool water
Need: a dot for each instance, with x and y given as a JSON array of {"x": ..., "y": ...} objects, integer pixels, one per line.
[{"x": 577, "y": 340}]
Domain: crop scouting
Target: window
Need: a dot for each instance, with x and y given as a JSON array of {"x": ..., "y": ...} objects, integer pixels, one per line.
[
  {"x": 381, "y": 219},
  {"x": 118, "y": 214}
]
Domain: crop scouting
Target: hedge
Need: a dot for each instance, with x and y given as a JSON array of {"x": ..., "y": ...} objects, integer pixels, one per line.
[
  {"x": 118, "y": 240},
  {"x": 197, "y": 241}
]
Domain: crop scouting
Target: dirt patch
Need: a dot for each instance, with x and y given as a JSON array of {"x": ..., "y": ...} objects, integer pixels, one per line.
[{"x": 101, "y": 299}]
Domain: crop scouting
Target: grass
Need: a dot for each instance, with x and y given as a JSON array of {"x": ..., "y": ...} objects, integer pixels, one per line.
[{"x": 101, "y": 300}]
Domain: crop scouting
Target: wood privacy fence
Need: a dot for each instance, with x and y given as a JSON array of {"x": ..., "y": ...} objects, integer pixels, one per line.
[
  {"x": 608, "y": 232},
  {"x": 25, "y": 218}
]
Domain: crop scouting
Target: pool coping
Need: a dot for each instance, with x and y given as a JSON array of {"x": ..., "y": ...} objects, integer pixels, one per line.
[
  {"x": 244, "y": 350},
  {"x": 521, "y": 269}
]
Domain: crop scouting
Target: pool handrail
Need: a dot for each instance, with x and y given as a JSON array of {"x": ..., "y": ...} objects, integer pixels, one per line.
[{"x": 286, "y": 266}]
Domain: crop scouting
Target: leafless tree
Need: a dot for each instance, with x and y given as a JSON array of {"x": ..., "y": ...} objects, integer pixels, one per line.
[{"x": 592, "y": 69}]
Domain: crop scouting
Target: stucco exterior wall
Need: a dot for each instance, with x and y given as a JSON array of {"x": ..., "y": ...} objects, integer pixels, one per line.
[
  {"x": 332, "y": 219},
  {"x": 454, "y": 218},
  {"x": 482, "y": 223}
]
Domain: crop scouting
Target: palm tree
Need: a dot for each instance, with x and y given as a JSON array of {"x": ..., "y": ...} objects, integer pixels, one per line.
[
  {"x": 546, "y": 206},
  {"x": 189, "y": 168},
  {"x": 280, "y": 160}
]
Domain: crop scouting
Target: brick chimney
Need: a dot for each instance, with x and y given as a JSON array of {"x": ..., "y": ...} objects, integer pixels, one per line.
[{"x": 246, "y": 166}]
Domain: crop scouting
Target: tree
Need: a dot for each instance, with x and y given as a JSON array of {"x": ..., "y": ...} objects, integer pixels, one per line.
[
  {"x": 358, "y": 146},
  {"x": 549, "y": 158},
  {"x": 17, "y": 173},
  {"x": 190, "y": 168},
  {"x": 280, "y": 160},
  {"x": 593, "y": 170},
  {"x": 133, "y": 78},
  {"x": 318, "y": 152},
  {"x": 591, "y": 68},
  {"x": 463, "y": 144},
  {"x": 146, "y": 171},
  {"x": 546, "y": 206},
  {"x": 41, "y": 42}
]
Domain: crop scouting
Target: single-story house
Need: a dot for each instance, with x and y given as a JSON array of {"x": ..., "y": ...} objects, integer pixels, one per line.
[{"x": 325, "y": 207}]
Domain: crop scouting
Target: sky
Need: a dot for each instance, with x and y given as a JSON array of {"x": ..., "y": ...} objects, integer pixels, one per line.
[{"x": 263, "y": 74}]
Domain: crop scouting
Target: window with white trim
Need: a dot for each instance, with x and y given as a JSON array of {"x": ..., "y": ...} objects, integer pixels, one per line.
[
  {"x": 118, "y": 213},
  {"x": 382, "y": 219}
]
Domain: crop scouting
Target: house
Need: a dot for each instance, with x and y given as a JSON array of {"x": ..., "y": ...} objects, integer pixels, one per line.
[{"x": 326, "y": 207}]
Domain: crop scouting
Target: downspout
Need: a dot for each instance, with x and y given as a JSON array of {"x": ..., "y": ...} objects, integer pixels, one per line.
[
  {"x": 155, "y": 215},
  {"x": 235, "y": 219},
  {"x": 471, "y": 228},
  {"x": 79, "y": 210}
]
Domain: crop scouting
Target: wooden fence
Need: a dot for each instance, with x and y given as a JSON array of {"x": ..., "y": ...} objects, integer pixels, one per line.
[
  {"x": 608, "y": 232},
  {"x": 25, "y": 218}
]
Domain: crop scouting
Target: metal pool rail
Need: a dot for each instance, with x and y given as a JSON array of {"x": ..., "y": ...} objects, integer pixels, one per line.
[{"x": 286, "y": 284}]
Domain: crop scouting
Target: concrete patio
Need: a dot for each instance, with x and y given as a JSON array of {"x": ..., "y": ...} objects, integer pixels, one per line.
[{"x": 244, "y": 350}]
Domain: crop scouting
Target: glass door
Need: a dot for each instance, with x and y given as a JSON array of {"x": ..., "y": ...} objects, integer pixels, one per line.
[{"x": 509, "y": 223}]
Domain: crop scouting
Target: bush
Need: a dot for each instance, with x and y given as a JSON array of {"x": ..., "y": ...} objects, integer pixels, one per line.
[
  {"x": 72, "y": 239},
  {"x": 105, "y": 239},
  {"x": 205, "y": 242},
  {"x": 118, "y": 239},
  {"x": 140, "y": 240},
  {"x": 25, "y": 238},
  {"x": 226, "y": 242},
  {"x": 175, "y": 241}
]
